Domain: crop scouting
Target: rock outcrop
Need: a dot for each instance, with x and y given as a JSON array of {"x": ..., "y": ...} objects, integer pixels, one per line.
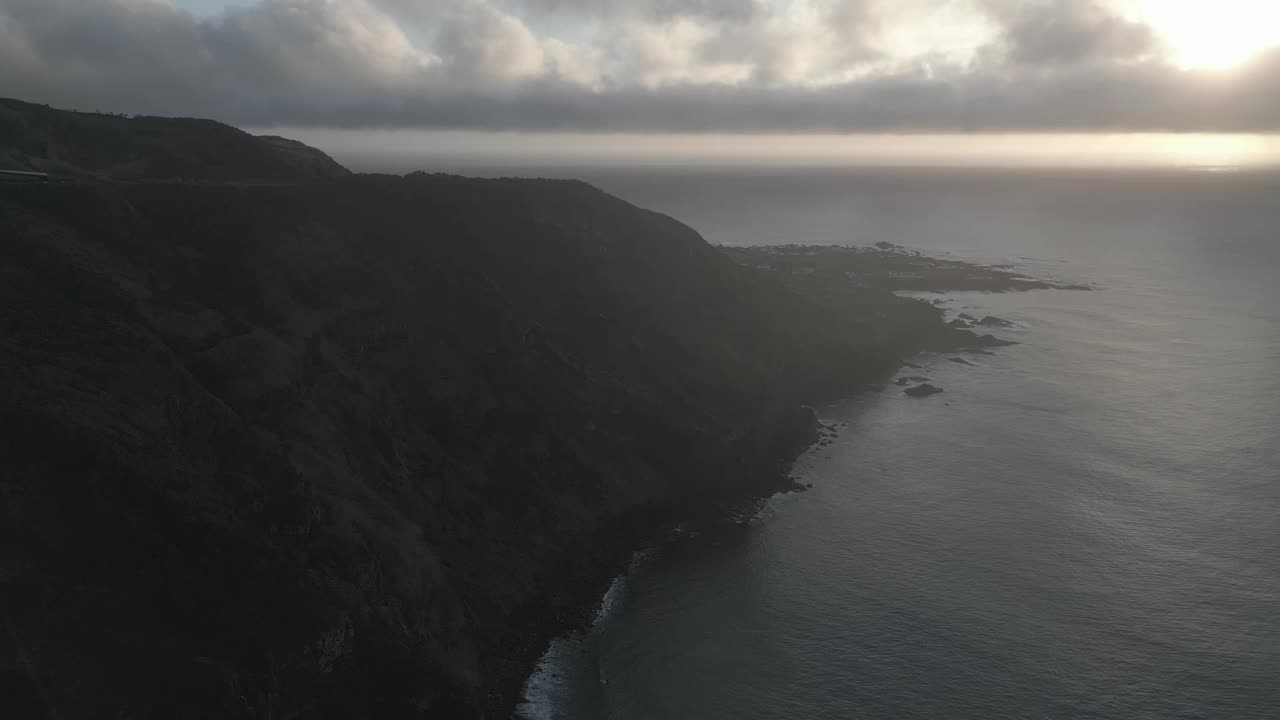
[
  {"x": 995, "y": 322},
  {"x": 925, "y": 390}
]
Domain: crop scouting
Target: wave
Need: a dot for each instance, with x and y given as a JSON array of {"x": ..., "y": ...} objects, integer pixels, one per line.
[{"x": 571, "y": 660}]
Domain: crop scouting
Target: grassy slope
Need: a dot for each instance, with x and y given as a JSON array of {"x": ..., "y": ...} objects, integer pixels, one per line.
[{"x": 74, "y": 144}]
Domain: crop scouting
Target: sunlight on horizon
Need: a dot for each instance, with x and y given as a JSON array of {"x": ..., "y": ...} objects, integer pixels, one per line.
[
  {"x": 1216, "y": 35},
  {"x": 403, "y": 150}
]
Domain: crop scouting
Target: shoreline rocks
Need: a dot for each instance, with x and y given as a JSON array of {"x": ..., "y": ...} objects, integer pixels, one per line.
[
  {"x": 994, "y": 322},
  {"x": 921, "y": 391}
]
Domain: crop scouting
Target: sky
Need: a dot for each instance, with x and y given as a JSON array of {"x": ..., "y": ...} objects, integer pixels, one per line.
[{"x": 659, "y": 66}]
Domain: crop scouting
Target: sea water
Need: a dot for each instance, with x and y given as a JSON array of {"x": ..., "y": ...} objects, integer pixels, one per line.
[{"x": 1084, "y": 525}]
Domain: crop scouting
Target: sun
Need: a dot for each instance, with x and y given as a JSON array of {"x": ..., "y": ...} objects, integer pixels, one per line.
[{"x": 1214, "y": 34}]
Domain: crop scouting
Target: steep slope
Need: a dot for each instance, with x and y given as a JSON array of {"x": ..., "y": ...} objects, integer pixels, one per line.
[
  {"x": 76, "y": 144},
  {"x": 356, "y": 449}
]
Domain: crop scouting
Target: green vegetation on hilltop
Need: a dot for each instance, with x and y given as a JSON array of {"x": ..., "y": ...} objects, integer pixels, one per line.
[{"x": 76, "y": 144}]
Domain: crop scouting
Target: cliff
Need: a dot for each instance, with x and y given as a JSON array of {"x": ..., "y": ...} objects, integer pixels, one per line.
[
  {"x": 355, "y": 449},
  {"x": 284, "y": 442}
]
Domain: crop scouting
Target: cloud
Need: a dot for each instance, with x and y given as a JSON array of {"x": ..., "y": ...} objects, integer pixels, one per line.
[
  {"x": 479, "y": 43},
  {"x": 1068, "y": 32},
  {"x": 717, "y": 10},
  {"x": 145, "y": 56},
  {"x": 639, "y": 65}
]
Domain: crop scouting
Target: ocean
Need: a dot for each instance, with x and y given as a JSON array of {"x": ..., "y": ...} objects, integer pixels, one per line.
[{"x": 1084, "y": 525}]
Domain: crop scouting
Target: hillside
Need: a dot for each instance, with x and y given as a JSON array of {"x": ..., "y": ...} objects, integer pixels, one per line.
[
  {"x": 75, "y": 144},
  {"x": 282, "y": 441},
  {"x": 356, "y": 449}
]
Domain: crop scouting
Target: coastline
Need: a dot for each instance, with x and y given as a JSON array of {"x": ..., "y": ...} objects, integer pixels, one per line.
[
  {"x": 504, "y": 387},
  {"x": 823, "y": 277},
  {"x": 584, "y": 592}
]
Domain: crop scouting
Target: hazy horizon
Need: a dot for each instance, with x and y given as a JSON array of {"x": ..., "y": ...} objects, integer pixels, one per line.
[{"x": 407, "y": 150}]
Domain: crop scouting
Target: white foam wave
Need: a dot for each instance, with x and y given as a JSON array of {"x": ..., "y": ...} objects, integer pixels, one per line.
[
  {"x": 610, "y": 599},
  {"x": 548, "y": 689}
]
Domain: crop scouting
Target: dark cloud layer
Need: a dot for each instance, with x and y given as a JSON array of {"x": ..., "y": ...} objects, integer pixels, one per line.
[{"x": 671, "y": 65}]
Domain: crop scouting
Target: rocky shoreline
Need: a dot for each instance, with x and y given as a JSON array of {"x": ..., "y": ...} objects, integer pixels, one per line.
[
  {"x": 584, "y": 585},
  {"x": 819, "y": 273}
]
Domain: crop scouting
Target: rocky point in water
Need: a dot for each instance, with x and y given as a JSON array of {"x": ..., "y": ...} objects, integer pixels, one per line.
[
  {"x": 995, "y": 322},
  {"x": 884, "y": 267}
]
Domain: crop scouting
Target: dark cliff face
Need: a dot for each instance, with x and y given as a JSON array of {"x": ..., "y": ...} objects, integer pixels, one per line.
[
  {"x": 76, "y": 144},
  {"x": 354, "y": 449}
]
